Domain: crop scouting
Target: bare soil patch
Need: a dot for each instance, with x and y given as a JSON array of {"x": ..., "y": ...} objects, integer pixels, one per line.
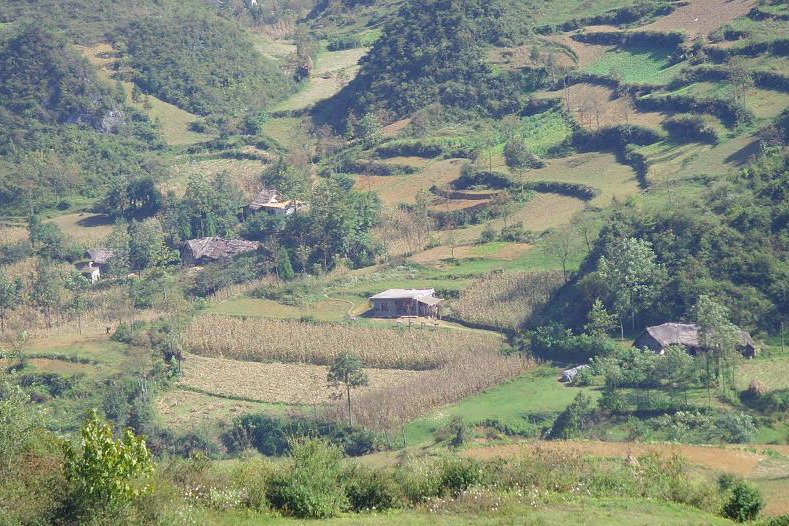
[
  {"x": 700, "y": 17},
  {"x": 395, "y": 128},
  {"x": 291, "y": 383},
  {"x": 509, "y": 252},
  {"x": 585, "y": 54},
  {"x": 181, "y": 409}
]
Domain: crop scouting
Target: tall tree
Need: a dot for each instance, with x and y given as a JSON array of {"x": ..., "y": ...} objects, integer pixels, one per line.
[
  {"x": 78, "y": 285},
  {"x": 632, "y": 276},
  {"x": 717, "y": 335},
  {"x": 346, "y": 371},
  {"x": 10, "y": 297},
  {"x": 45, "y": 292}
]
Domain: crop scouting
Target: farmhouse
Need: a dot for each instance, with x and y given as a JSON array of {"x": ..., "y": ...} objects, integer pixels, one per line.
[
  {"x": 393, "y": 303},
  {"x": 268, "y": 200},
  {"x": 212, "y": 249},
  {"x": 659, "y": 337},
  {"x": 90, "y": 271},
  {"x": 99, "y": 256}
]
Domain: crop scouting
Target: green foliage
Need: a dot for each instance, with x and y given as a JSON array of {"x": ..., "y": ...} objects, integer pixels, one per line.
[
  {"x": 310, "y": 484},
  {"x": 106, "y": 472},
  {"x": 200, "y": 63},
  {"x": 431, "y": 52},
  {"x": 346, "y": 371},
  {"x": 10, "y": 297},
  {"x": 78, "y": 135},
  {"x": 745, "y": 502},
  {"x": 517, "y": 155},
  {"x": 370, "y": 489},
  {"x": 573, "y": 421},
  {"x": 284, "y": 267},
  {"x": 599, "y": 321},
  {"x": 690, "y": 128},
  {"x": 18, "y": 418},
  {"x": 556, "y": 343}
]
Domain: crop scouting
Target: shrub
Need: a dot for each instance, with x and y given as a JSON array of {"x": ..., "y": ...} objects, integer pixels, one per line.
[
  {"x": 125, "y": 333},
  {"x": 106, "y": 472},
  {"x": 689, "y": 128},
  {"x": 309, "y": 485},
  {"x": 458, "y": 474},
  {"x": 573, "y": 421},
  {"x": 745, "y": 502},
  {"x": 372, "y": 489}
]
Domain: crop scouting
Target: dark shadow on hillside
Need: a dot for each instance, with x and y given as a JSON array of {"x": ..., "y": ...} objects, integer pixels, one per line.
[
  {"x": 94, "y": 221},
  {"x": 742, "y": 156}
]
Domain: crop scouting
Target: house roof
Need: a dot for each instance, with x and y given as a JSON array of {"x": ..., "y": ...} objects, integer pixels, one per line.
[
  {"x": 100, "y": 256},
  {"x": 429, "y": 300},
  {"x": 217, "y": 248},
  {"x": 86, "y": 268},
  {"x": 686, "y": 334},
  {"x": 402, "y": 294},
  {"x": 264, "y": 197}
]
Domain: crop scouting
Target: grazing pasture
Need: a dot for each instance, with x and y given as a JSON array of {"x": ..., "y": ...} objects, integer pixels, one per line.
[
  {"x": 637, "y": 65},
  {"x": 85, "y": 228}
]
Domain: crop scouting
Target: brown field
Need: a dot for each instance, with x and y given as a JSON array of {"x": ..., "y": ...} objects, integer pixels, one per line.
[
  {"x": 701, "y": 17},
  {"x": 85, "y": 228},
  {"x": 417, "y": 162},
  {"x": 289, "y": 383},
  {"x": 265, "y": 340},
  {"x": 590, "y": 103},
  {"x": 393, "y": 406},
  {"x": 506, "y": 299},
  {"x": 508, "y": 252},
  {"x": 12, "y": 233},
  {"x": 244, "y": 172},
  {"x": 544, "y": 211},
  {"x": 403, "y": 189},
  {"x": 185, "y": 410},
  {"x": 585, "y": 54},
  {"x": 395, "y": 128}
]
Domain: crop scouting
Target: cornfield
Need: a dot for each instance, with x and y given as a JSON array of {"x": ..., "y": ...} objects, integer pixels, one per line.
[
  {"x": 506, "y": 299},
  {"x": 388, "y": 407},
  {"x": 265, "y": 340},
  {"x": 288, "y": 383}
]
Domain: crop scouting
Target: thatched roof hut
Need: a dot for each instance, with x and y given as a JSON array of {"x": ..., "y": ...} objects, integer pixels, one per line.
[
  {"x": 658, "y": 337},
  {"x": 212, "y": 249}
]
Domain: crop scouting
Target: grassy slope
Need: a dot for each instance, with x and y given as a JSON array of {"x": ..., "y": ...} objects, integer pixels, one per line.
[{"x": 595, "y": 512}]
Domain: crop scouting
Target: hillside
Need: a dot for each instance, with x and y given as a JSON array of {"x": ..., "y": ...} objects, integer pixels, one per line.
[{"x": 394, "y": 262}]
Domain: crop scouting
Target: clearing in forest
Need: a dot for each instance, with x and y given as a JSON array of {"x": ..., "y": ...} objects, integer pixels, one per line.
[{"x": 85, "y": 228}]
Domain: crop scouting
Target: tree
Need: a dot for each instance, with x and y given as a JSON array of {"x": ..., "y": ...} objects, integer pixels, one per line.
[
  {"x": 284, "y": 267},
  {"x": 560, "y": 247},
  {"x": 369, "y": 129},
  {"x": 45, "y": 291},
  {"x": 10, "y": 297},
  {"x": 573, "y": 420},
  {"x": 105, "y": 471},
  {"x": 78, "y": 285},
  {"x": 146, "y": 239},
  {"x": 517, "y": 154},
  {"x": 347, "y": 371},
  {"x": 600, "y": 321},
  {"x": 745, "y": 502},
  {"x": 717, "y": 334},
  {"x": 18, "y": 418},
  {"x": 631, "y": 275}
]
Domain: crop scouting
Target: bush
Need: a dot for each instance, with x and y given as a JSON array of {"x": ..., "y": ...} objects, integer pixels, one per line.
[
  {"x": 744, "y": 504},
  {"x": 573, "y": 421},
  {"x": 458, "y": 474},
  {"x": 310, "y": 484},
  {"x": 690, "y": 128},
  {"x": 372, "y": 489},
  {"x": 126, "y": 333}
]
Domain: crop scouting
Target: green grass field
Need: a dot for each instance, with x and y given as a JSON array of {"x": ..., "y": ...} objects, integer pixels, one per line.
[
  {"x": 539, "y": 391},
  {"x": 636, "y": 65},
  {"x": 589, "y": 512},
  {"x": 544, "y": 130}
]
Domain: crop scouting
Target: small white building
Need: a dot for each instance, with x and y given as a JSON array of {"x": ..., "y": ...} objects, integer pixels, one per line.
[
  {"x": 394, "y": 303},
  {"x": 90, "y": 271},
  {"x": 268, "y": 201}
]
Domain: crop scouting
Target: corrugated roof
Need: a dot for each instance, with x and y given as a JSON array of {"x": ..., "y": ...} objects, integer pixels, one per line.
[
  {"x": 429, "y": 300},
  {"x": 402, "y": 294}
]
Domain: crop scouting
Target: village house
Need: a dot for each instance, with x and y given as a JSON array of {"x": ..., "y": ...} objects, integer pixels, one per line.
[
  {"x": 658, "y": 337},
  {"x": 213, "y": 249},
  {"x": 90, "y": 271},
  {"x": 269, "y": 201},
  {"x": 394, "y": 303}
]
